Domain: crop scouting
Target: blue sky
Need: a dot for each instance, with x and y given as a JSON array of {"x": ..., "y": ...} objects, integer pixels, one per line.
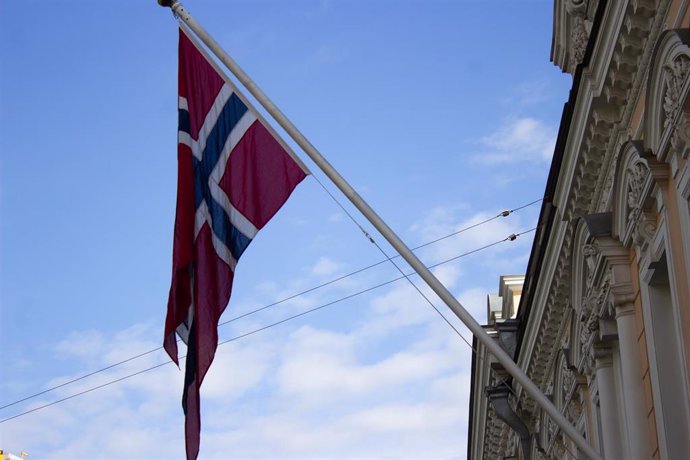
[{"x": 440, "y": 113}]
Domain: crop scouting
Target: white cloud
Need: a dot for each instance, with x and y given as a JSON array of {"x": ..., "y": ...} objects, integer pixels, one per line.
[
  {"x": 237, "y": 369},
  {"x": 393, "y": 384},
  {"x": 323, "y": 368},
  {"x": 387, "y": 419},
  {"x": 521, "y": 140},
  {"x": 97, "y": 424},
  {"x": 325, "y": 266},
  {"x": 309, "y": 394},
  {"x": 82, "y": 345},
  {"x": 442, "y": 221}
]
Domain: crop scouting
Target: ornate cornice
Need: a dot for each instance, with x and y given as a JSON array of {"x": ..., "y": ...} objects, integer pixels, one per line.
[
  {"x": 610, "y": 110},
  {"x": 551, "y": 325},
  {"x": 497, "y": 435},
  {"x": 571, "y": 30}
]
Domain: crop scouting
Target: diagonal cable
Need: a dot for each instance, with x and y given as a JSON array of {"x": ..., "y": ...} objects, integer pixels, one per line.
[
  {"x": 232, "y": 339},
  {"x": 293, "y": 296}
]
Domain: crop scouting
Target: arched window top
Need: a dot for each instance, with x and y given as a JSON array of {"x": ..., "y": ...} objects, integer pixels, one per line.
[
  {"x": 632, "y": 182},
  {"x": 559, "y": 385},
  {"x": 667, "y": 89},
  {"x": 581, "y": 268}
]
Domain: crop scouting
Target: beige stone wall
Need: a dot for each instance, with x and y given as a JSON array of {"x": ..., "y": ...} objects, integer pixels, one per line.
[
  {"x": 677, "y": 10},
  {"x": 678, "y": 17},
  {"x": 679, "y": 267},
  {"x": 644, "y": 359}
]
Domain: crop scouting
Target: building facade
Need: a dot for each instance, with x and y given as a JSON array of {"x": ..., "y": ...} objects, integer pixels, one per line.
[{"x": 603, "y": 320}]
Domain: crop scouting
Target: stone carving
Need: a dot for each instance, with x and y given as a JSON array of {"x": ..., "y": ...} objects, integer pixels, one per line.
[
  {"x": 590, "y": 253},
  {"x": 565, "y": 341},
  {"x": 576, "y": 7},
  {"x": 551, "y": 429},
  {"x": 571, "y": 395},
  {"x": 644, "y": 229},
  {"x": 559, "y": 448},
  {"x": 637, "y": 173},
  {"x": 591, "y": 304},
  {"x": 607, "y": 190},
  {"x": 578, "y": 42},
  {"x": 600, "y": 293},
  {"x": 674, "y": 76},
  {"x": 574, "y": 408},
  {"x": 643, "y": 223},
  {"x": 588, "y": 302},
  {"x": 513, "y": 443},
  {"x": 680, "y": 139},
  {"x": 568, "y": 378},
  {"x": 604, "y": 289},
  {"x": 590, "y": 329},
  {"x": 590, "y": 315}
]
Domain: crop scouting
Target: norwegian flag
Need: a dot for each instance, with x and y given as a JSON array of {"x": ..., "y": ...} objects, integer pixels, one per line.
[{"x": 233, "y": 176}]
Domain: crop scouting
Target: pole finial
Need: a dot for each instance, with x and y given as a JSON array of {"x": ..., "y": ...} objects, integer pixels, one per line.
[{"x": 168, "y": 3}]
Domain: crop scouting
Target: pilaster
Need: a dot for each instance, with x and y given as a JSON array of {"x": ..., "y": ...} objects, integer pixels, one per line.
[
  {"x": 631, "y": 370},
  {"x": 610, "y": 421}
]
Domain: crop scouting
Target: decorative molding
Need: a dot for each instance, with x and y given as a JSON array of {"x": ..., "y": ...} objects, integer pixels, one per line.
[
  {"x": 622, "y": 132},
  {"x": 574, "y": 408},
  {"x": 583, "y": 258},
  {"x": 550, "y": 324},
  {"x": 513, "y": 446},
  {"x": 603, "y": 355},
  {"x": 668, "y": 84},
  {"x": 609, "y": 111},
  {"x": 590, "y": 253},
  {"x": 559, "y": 448},
  {"x": 675, "y": 75},
  {"x": 612, "y": 106},
  {"x": 582, "y": 286},
  {"x": 634, "y": 215},
  {"x": 680, "y": 138},
  {"x": 571, "y": 29},
  {"x": 643, "y": 224},
  {"x": 590, "y": 324},
  {"x": 576, "y": 7},
  {"x": 578, "y": 41},
  {"x": 637, "y": 173}
]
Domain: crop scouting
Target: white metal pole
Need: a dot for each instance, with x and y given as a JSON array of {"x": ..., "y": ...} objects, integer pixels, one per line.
[{"x": 440, "y": 290}]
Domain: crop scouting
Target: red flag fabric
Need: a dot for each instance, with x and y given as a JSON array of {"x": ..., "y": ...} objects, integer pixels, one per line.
[{"x": 233, "y": 176}]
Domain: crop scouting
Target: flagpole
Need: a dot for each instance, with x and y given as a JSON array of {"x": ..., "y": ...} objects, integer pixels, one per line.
[{"x": 492, "y": 346}]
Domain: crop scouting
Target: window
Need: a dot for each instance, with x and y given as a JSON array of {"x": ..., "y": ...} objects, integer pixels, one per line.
[{"x": 666, "y": 365}]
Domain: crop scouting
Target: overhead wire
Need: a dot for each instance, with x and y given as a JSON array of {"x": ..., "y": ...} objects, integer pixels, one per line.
[
  {"x": 511, "y": 237},
  {"x": 504, "y": 213}
]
